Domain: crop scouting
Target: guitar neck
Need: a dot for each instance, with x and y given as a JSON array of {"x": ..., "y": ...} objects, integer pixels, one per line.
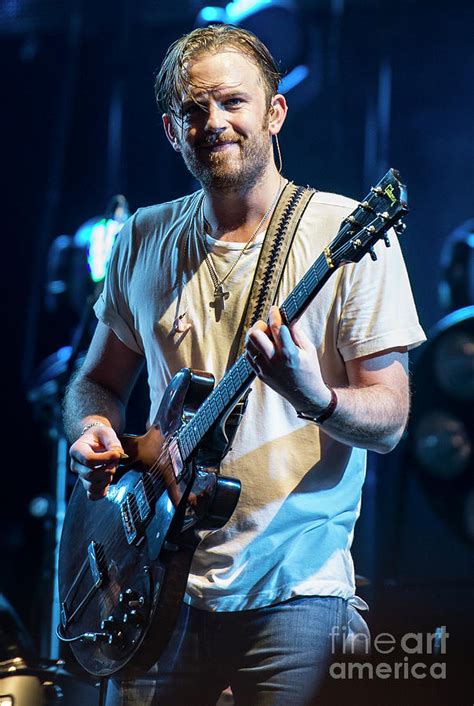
[
  {"x": 239, "y": 377},
  {"x": 382, "y": 208}
]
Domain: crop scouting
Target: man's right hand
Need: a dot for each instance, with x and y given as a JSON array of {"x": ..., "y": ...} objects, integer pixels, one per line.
[{"x": 94, "y": 457}]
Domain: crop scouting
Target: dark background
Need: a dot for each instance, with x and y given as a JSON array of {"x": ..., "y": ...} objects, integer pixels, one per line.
[{"x": 391, "y": 85}]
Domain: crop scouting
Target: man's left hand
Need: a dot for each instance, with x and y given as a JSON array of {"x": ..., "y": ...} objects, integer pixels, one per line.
[{"x": 286, "y": 360}]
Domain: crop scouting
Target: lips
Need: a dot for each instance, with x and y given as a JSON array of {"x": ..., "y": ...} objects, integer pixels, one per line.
[{"x": 217, "y": 146}]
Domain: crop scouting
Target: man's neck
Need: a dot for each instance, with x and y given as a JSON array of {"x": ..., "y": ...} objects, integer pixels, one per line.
[{"x": 233, "y": 214}]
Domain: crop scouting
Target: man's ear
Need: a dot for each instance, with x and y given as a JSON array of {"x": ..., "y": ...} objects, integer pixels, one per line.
[
  {"x": 169, "y": 132},
  {"x": 277, "y": 113}
]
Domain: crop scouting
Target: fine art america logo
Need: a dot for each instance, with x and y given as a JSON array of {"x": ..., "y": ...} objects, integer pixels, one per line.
[{"x": 412, "y": 655}]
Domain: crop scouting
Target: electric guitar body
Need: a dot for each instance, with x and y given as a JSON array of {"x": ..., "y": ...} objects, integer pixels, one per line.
[{"x": 124, "y": 559}]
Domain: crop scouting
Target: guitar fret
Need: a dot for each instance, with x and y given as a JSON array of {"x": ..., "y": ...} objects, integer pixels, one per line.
[
  {"x": 210, "y": 419},
  {"x": 214, "y": 406},
  {"x": 241, "y": 371},
  {"x": 184, "y": 450},
  {"x": 235, "y": 378},
  {"x": 192, "y": 433}
]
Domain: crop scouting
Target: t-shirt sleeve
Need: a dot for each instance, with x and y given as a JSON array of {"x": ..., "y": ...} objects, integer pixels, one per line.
[
  {"x": 112, "y": 306},
  {"x": 378, "y": 311}
]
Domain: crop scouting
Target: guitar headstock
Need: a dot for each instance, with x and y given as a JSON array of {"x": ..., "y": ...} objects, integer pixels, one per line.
[{"x": 383, "y": 208}]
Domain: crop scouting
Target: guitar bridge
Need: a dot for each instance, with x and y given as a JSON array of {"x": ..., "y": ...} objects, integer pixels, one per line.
[{"x": 97, "y": 572}]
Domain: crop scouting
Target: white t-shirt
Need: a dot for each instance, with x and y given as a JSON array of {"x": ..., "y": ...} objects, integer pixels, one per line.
[{"x": 293, "y": 526}]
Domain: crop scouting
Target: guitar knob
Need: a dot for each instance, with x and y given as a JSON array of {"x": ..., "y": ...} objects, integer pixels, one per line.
[
  {"x": 116, "y": 638},
  {"x": 110, "y": 624},
  {"x": 133, "y": 617},
  {"x": 127, "y": 596}
]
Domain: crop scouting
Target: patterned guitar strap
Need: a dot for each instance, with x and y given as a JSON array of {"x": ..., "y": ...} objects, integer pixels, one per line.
[{"x": 272, "y": 260}]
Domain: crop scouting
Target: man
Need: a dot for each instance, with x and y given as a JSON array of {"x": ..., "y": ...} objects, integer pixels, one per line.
[{"x": 265, "y": 592}]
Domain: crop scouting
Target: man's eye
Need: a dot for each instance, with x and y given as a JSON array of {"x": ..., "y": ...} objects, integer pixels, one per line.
[
  {"x": 233, "y": 102},
  {"x": 191, "y": 110}
]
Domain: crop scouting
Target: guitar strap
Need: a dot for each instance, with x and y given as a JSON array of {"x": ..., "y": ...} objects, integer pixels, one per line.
[
  {"x": 272, "y": 260},
  {"x": 273, "y": 256}
]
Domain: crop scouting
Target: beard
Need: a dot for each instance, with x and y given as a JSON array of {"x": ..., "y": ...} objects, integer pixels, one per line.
[{"x": 221, "y": 170}]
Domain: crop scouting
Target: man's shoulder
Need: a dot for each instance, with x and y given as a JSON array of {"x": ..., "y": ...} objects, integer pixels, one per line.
[
  {"x": 334, "y": 201},
  {"x": 163, "y": 214}
]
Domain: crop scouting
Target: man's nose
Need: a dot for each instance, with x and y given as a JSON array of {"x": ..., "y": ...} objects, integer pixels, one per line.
[{"x": 215, "y": 118}]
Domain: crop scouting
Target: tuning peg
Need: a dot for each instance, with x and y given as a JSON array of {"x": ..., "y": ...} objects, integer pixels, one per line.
[
  {"x": 386, "y": 240},
  {"x": 372, "y": 254}
]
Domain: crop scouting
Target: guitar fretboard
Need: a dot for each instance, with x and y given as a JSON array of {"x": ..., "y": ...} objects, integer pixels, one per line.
[{"x": 383, "y": 207}]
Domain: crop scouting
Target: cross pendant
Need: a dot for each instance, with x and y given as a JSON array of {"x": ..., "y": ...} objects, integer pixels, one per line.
[{"x": 219, "y": 301}]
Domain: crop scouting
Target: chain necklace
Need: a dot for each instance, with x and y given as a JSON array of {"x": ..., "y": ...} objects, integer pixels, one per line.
[{"x": 220, "y": 295}]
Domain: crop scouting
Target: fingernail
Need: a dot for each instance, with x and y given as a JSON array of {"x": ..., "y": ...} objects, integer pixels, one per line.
[{"x": 124, "y": 456}]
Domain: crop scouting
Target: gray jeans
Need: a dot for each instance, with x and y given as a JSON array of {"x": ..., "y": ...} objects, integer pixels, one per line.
[{"x": 273, "y": 656}]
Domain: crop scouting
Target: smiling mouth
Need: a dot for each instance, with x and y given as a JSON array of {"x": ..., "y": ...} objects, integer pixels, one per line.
[{"x": 218, "y": 146}]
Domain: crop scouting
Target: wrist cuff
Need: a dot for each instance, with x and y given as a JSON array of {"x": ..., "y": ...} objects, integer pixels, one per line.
[
  {"x": 325, "y": 414},
  {"x": 92, "y": 424}
]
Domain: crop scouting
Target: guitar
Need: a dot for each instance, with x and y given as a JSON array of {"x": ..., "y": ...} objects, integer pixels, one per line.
[{"x": 124, "y": 560}]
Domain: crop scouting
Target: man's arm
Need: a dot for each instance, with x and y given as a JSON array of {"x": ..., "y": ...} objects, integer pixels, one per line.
[
  {"x": 371, "y": 412},
  {"x": 96, "y": 399}
]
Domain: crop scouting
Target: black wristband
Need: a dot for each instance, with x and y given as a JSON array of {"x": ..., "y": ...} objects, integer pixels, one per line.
[{"x": 325, "y": 414}]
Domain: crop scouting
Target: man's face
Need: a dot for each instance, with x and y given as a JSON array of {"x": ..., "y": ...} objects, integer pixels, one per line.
[{"x": 224, "y": 136}]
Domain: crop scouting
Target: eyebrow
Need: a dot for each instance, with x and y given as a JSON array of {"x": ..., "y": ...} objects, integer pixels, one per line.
[{"x": 218, "y": 94}]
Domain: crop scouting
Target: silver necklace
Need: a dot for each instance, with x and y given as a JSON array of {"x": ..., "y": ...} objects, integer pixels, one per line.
[{"x": 220, "y": 296}]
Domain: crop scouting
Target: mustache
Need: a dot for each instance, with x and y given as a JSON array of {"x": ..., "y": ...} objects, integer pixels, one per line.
[{"x": 214, "y": 140}]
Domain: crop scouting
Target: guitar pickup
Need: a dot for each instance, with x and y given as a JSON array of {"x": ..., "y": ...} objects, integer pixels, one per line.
[
  {"x": 127, "y": 513},
  {"x": 143, "y": 502}
]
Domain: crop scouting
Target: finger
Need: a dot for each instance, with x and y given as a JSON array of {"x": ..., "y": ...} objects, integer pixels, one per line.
[
  {"x": 96, "y": 485},
  {"x": 105, "y": 435},
  {"x": 256, "y": 361},
  {"x": 299, "y": 336},
  {"x": 81, "y": 469},
  {"x": 97, "y": 493},
  {"x": 82, "y": 450},
  {"x": 259, "y": 342},
  {"x": 96, "y": 476},
  {"x": 275, "y": 323}
]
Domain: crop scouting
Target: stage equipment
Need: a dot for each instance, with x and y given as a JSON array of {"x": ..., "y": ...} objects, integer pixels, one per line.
[
  {"x": 76, "y": 269},
  {"x": 76, "y": 264},
  {"x": 440, "y": 441},
  {"x": 26, "y": 680},
  {"x": 456, "y": 288}
]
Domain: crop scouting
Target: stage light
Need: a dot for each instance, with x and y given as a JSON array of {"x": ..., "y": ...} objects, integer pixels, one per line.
[
  {"x": 440, "y": 435},
  {"x": 456, "y": 286},
  {"x": 454, "y": 364},
  {"x": 442, "y": 444},
  {"x": 98, "y": 237}
]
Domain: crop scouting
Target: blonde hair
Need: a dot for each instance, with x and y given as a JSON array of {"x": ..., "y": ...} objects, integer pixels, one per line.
[{"x": 172, "y": 81}]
